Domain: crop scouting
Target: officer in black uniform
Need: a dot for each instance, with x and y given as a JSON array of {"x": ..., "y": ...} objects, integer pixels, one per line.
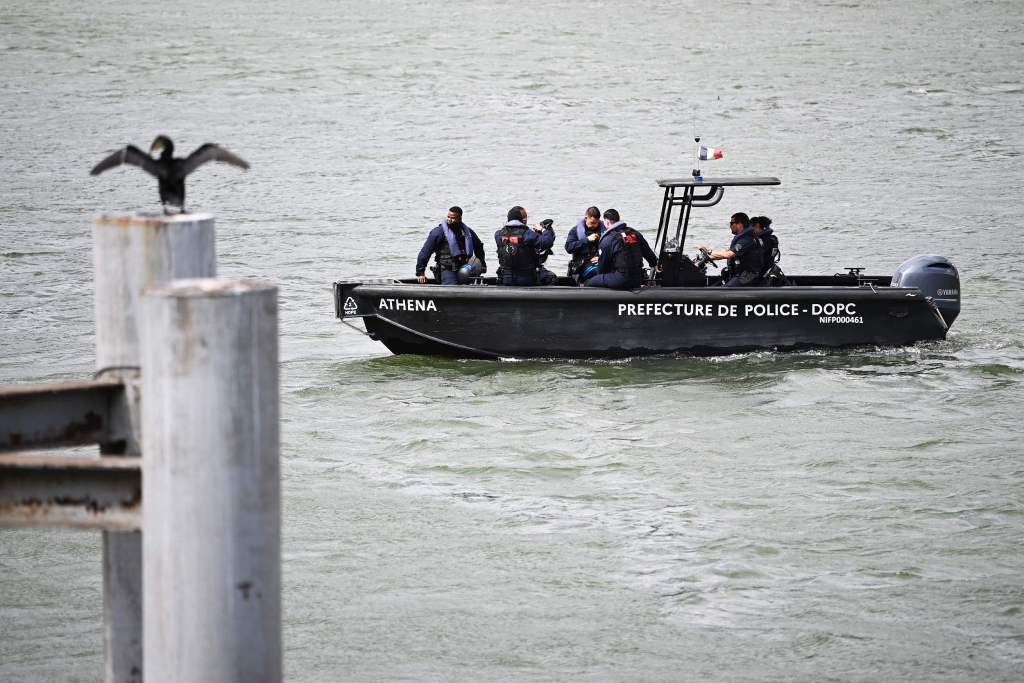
[
  {"x": 744, "y": 253},
  {"x": 582, "y": 242},
  {"x": 762, "y": 226},
  {"x": 520, "y": 248},
  {"x": 453, "y": 243},
  {"x": 623, "y": 252}
]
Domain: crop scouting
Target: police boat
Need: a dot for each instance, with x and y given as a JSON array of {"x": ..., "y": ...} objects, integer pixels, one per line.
[{"x": 681, "y": 310}]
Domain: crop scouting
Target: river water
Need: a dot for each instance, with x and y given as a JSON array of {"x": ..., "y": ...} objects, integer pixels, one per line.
[{"x": 853, "y": 515}]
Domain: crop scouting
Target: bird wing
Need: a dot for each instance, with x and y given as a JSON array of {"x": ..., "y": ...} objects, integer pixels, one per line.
[
  {"x": 129, "y": 155},
  {"x": 210, "y": 152}
]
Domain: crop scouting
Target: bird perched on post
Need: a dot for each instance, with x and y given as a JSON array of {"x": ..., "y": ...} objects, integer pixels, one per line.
[{"x": 169, "y": 171}]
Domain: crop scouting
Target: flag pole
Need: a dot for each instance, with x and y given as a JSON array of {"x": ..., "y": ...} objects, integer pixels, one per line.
[{"x": 696, "y": 170}]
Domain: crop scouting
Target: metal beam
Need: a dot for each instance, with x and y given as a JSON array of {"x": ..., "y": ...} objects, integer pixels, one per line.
[
  {"x": 78, "y": 493},
  {"x": 61, "y": 415}
]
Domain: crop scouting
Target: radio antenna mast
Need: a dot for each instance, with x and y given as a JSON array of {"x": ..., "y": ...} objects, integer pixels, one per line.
[{"x": 696, "y": 161}]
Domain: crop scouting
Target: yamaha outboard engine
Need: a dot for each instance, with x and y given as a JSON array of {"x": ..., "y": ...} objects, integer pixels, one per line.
[{"x": 936, "y": 277}]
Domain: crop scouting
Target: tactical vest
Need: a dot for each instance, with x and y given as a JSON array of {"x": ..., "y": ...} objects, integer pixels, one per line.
[
  {"x": 445, "y": 260},
  {"x": 629, "y": 259},
  {"x": 514, "y": 255},
  {"x": 771, "y": 250},
  {"x": 751, "y": 260},
  {"x": 582, "y": 257}
]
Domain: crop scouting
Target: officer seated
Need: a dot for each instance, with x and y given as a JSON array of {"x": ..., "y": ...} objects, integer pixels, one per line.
[
  {"x": 771, "y": 274},
  {"x": 744, "y": 253},
  {"x": 582, "y": 245},
  {"x": 623, "y": 252},
  {"x": 522, "y": 249}
]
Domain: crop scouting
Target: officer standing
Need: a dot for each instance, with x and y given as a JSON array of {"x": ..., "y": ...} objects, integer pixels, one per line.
[
  {"x": 744, "y": 253},
  {"x": 623, "y": 252},
  {"x": 520, "y": 247},
  {"x": 582, "y": 242},
  {"x": 453, "y": 243}
]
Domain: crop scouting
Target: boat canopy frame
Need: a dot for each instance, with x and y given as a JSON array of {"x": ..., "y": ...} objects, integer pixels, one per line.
[{"x": 696, "y": 191}]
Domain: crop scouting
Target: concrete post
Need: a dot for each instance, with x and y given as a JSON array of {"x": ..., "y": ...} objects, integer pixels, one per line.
[
  {"x": 130, "y": 254},
  {"x": 211, "y": 490},
  {"x": 135, "y": 252}
]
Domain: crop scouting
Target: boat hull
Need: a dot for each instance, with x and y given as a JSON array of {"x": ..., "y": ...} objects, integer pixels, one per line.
[{"x": 486, "y": 321}]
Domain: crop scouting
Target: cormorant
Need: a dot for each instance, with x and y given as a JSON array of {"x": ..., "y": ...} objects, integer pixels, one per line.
[{"x": 169, "y": 171}]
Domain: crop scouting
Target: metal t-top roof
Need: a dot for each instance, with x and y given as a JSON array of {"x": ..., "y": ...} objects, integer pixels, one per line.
[{"x": 717, "y": 182}]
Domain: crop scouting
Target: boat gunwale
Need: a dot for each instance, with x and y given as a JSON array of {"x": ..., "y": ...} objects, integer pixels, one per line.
[{"x": 555, "y": 292}]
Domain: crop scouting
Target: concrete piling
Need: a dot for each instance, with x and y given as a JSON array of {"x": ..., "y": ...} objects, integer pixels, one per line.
[
  {"x": 132, "y": 253},
  {"x": 211, "y": 490},
  {"x": 186, "y": 375},
  {"x": 138, "y": 251}
]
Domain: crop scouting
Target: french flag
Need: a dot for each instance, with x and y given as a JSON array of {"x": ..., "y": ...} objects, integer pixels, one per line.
[{"x": 707, "y": 153}]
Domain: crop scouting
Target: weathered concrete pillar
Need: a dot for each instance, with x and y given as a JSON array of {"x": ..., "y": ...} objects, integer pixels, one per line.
[
  {"x": 211, "y": 484},
  {"x": 131, "y": 253},
  {"x": 135, "y": 252}
]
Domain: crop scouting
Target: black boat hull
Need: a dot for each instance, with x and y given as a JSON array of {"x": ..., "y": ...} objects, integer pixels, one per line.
[{"x": 487, "y": 321}]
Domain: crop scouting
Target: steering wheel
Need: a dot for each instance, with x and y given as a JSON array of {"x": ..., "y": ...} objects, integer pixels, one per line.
[{"x": 703, "y": 260}]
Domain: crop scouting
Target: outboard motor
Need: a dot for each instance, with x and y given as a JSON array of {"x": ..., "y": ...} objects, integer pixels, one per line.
[{"x": 936, "y": 277}]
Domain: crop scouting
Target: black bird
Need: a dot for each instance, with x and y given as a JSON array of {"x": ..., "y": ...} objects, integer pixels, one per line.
[{"x": 169, "y": 171}]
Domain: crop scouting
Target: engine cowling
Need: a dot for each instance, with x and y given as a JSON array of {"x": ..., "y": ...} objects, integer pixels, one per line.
[{"x": 937, "y": 278}]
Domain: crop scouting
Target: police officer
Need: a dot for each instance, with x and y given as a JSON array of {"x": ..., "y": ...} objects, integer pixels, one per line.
[
  {"x": 762, "y": 226},
  {"x": 771, "y": 273},
  {"x": 453, "y": 243},
  {"x": 623, "y": 251},
  {"x": 744, "y": 253},
  {"x": 520, "y": 248},
  {"x": 582, "y": 242}
]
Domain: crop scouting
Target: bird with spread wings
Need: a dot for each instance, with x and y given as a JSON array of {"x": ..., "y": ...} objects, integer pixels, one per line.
[{"x": 169, "y": 171}]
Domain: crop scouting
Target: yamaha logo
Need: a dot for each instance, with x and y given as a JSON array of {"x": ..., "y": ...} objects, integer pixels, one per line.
[{"x": 351, "y": 307}]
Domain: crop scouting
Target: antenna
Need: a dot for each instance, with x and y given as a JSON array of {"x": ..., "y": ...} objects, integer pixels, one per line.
[{"x": 696, "y": 169}]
